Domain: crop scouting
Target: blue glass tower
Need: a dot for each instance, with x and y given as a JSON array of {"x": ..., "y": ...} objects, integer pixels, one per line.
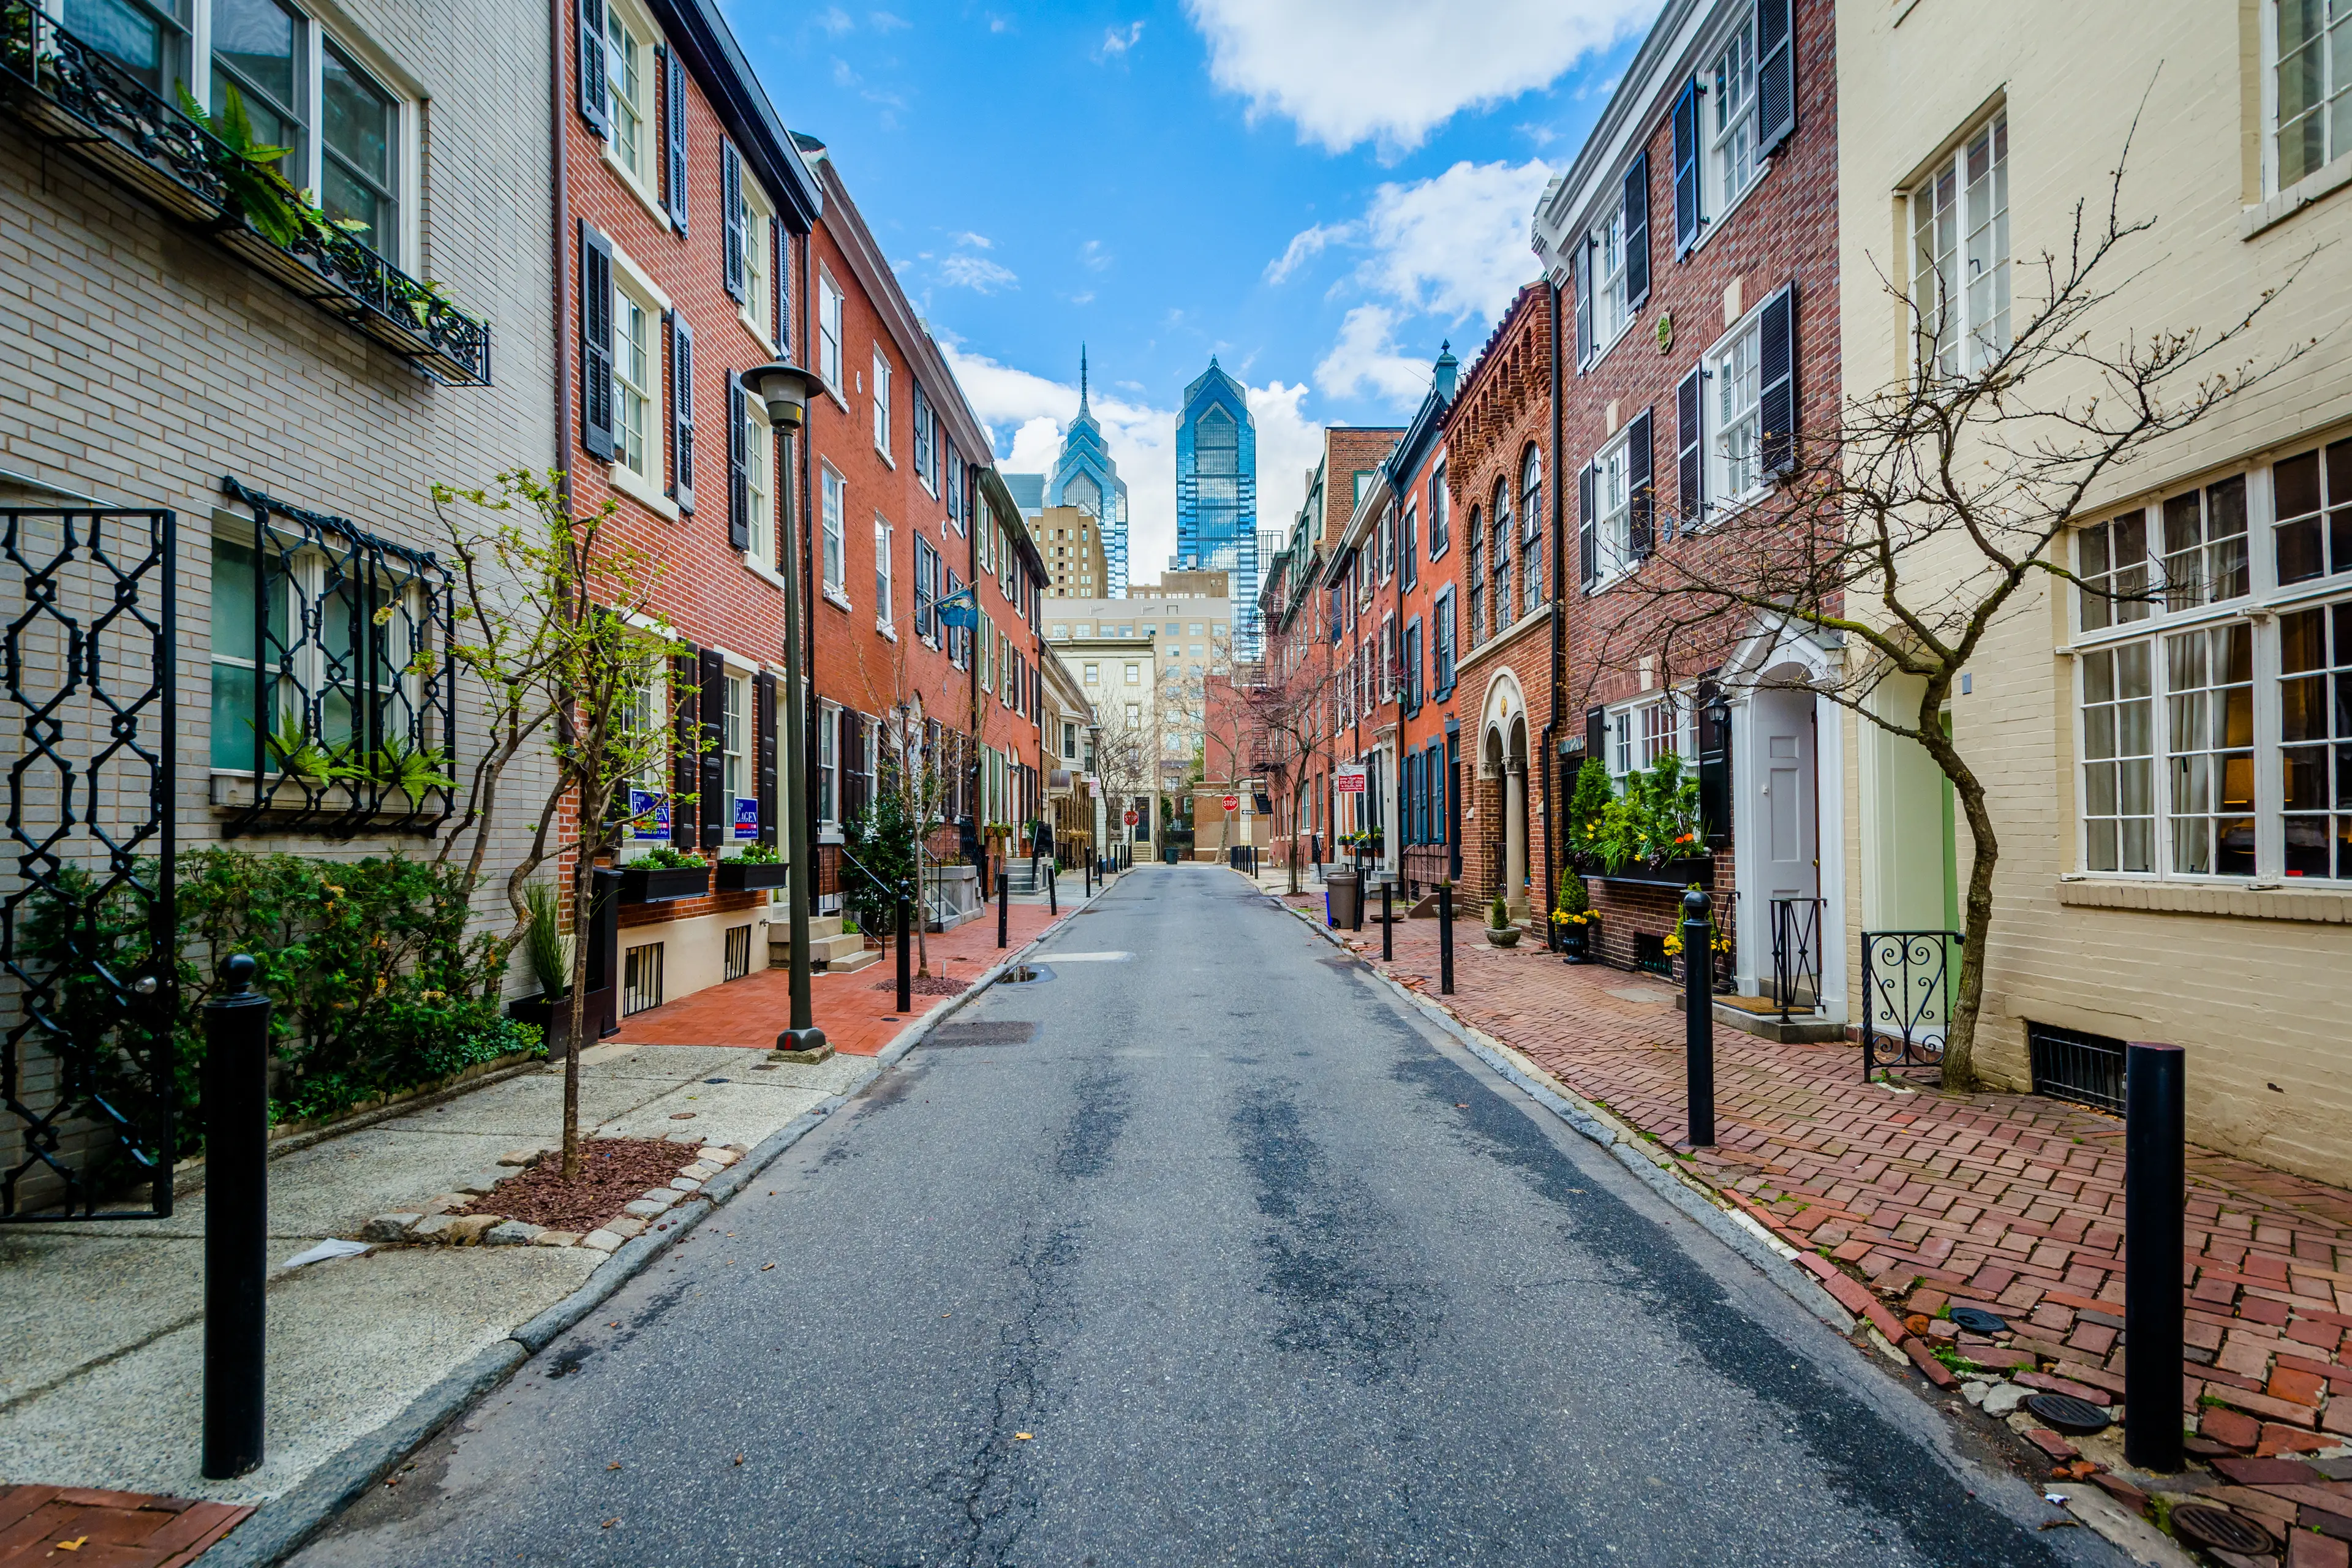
[
  {"x": 1216, "y": 493},
  {"x": 1084, "y": 476}
]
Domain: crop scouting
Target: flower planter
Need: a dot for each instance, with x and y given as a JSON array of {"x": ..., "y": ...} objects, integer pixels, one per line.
[
  {"x": 1576, "y": 942},
  {"x": 750, "y": 876},
  {"x": 553, "y": 1017},
  {"x": 659, "y": 884},
  {"x": 1508, "y": 936},
  {"x": 1675, "y": 874}
]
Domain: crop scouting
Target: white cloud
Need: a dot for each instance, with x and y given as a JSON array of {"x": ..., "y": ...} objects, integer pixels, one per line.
[
  {"x": 1390, "y": 71},
  {"x": 999, "y": 23},
  {"x": 1365, "y": 359},
  {"x": 1086, "y": 298},
  {"x": 884, "y": 22},
  {"x": 1306, "y": 245},
  {"x": 1142, "y": 442},
  {"x": 1116, "y": 43},
  {"x": 1093, "y": 256},
  {"x": 835, "y": 21},
  {"x": 1454, "y": 244},
  {"x": 976, "y": 273},
  {"x": 977, "y": 241}
]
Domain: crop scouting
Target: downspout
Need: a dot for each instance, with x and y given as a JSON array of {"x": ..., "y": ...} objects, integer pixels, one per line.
[
  {"x": 1558, "y": 622},
  {"x": 560, "y": 178}
]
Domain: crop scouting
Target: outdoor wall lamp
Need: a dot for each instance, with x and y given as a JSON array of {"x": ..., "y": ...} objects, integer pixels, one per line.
[{"x": 784, "y": 388}]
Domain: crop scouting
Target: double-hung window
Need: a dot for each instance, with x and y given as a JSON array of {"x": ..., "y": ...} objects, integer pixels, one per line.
[
  {"x": 307, "y": 93},
  {"x": 636, "y": 382},
  {"x": 1602, "y": 276},
  {"x": 1499, "y": 555},
  {"x": 758, "y": 312},
  {"x": 881, "y": 402},
  {"x": 1531, "y": 529},
  {"x": 1474, "y": 543},
  {"x": 1735, "y": 449},
  {"x": 758, "y": 494},
  {"x": 1437, "y": 540},
  {"x": 2214, "y": 681},
  {"x": 837, "y": 569},
  {"x": 2309, "y": 86},
  {"x": 733, "y": 774},
  {"x": 882, "y": 612},
  {"x": 1441, "y": 638},
  {"x": 1408, "y": 547},
  {"x": 827, "y": 798},
  {"x": 628, "y": 61},
  {"x": 828, "y": 331},
  {"x": 1612, "y": 507},
  {"x": 922, "y": 413},
  {"x": 1731, "y": 88},
  {"x": 1959, "y": 253}
]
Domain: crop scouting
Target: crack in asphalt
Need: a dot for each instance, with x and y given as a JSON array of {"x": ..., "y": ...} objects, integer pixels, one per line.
[{"x": 996, "y": 1501}]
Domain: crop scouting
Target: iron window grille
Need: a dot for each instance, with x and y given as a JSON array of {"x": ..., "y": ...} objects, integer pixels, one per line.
[
  {"x": 345, "y": 695},
  {"x": 73, "y": 95},
  {"x": 2070, "y": 1065},
  {"x": 641, "y": 978},
  {"x": 738, "y": 951}
]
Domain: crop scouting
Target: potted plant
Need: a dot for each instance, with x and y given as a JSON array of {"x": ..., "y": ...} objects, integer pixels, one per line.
[
  {"x": 759, "y": 867},
  {"x": 1575, "y": 918},
  {"x": 548, "y": 952},
  {"x": 1500, "y": 932},
  {"x": 664, "y": 873},
  {"x": 1718, "y": 940},
  {"x": 1649, "y": 832}
]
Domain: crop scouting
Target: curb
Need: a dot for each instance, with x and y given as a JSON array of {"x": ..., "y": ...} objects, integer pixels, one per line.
[
  {"x": 1694, "y": 1200},
  {"x": 281, "y": 1526}
]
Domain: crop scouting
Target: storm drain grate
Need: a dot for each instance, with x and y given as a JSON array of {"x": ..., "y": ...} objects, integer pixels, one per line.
[
  {"x": 2218, "y": 1528},
  {"x": 2077, "y": 1417},
  {"x": 1007, "y": 1032}
]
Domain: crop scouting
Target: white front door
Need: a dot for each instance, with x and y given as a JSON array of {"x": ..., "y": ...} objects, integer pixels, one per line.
[{"x": 1786, "y": 776}]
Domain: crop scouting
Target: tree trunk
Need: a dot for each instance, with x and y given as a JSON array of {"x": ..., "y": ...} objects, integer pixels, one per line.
[
  {"x": 1960, "y": 1071},
  {"x": 584, "y": 883}
]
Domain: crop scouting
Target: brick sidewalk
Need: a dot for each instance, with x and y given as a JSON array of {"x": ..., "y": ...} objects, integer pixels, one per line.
[
  {"x": 854, "y": 1011},
  {"x": 108, "y": 1530},
  {"x": 2011, "y": 1202}
]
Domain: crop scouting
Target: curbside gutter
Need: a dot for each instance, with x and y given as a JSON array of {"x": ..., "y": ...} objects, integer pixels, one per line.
[
  {"x": 280, "y": 1527},
  {"x": 1687, "y": 1194}
]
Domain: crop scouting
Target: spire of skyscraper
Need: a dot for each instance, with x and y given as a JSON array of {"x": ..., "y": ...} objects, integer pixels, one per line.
[{"x": 1082, "y": 381}]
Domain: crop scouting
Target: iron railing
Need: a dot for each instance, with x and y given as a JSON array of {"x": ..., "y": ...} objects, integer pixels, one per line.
[
  {"x": 1797, "y": 953},
  {"x": 88, "y": 990},
  {"x": 1907, "y": 998},
  {"x": 74, "y": 96},
  {"x": 352, "y": 680}
]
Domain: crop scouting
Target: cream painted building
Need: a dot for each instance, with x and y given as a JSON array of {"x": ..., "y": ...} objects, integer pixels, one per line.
[
  {"x": 2172, "y": 781},
  {"x": 1072, "y": 543}
]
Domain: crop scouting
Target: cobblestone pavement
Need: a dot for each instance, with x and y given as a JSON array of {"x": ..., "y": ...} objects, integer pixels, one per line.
[{"x": 2014, "y": 1203}]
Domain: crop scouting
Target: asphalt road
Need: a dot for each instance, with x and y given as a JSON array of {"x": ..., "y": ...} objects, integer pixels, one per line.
[{"x": 1209, "y": 1254}]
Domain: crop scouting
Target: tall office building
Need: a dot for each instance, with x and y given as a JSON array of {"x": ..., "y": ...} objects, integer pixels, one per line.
[
  {"x": 1216, "y": 493},
  {"x": 1085, "y": 477}
]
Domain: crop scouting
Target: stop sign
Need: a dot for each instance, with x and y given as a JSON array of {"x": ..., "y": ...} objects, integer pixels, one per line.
[
  {"x": 1232, "y": 803},
  {"x": 1132, "y": 818}
]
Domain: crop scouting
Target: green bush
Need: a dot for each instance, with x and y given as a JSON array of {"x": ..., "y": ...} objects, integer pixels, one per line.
[
  {"x": 377, "y": 986},
  {"x": 881, "y": 838}
]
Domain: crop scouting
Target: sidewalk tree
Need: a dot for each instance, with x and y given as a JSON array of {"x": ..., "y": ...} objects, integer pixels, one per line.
[
  {"x": 1935, "y": 506},
  {"x": 1291, "y": 711}
]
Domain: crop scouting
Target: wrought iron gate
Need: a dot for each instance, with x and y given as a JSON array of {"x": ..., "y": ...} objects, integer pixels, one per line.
[
  {"x": 87, "y": 987},
  {"x": 1907, "y": 998}
]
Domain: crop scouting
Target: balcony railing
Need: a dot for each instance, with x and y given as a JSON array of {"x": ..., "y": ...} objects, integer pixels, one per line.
[{"x": 72, "y": 94}]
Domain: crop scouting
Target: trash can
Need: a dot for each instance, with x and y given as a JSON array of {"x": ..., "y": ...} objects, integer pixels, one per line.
[
  {"x": 1345, "y": 891},
  {"x": 1167, "y": 852}
]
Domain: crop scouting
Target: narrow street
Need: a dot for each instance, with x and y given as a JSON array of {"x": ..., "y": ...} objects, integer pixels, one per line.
[{"x": 1199, "y": 1250}]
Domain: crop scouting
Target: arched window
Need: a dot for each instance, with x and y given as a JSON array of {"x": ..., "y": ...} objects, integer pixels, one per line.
[
  {"x": 1506, "y": 609},
  {"x": 1531, "y": 525},
  {"x": 1475, "y": 542}
]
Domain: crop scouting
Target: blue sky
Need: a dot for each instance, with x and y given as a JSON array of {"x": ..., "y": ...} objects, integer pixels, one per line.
[{"x": 1316, "y": 191}]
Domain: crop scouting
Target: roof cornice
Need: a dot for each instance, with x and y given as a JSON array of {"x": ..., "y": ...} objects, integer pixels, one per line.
[{"x": 698, "y": 29}]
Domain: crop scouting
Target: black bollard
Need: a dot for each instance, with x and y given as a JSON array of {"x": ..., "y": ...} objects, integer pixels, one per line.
[
  {"x": 1388, "y": 920},
  {"x": 1054, "y": 891},
  {"x": 1698, "y": 1017},
  {"x": 236, "y": 1221},
  {"x": 906, "y": 958},
  {"x": 1003, "y": 906},
  {"x": 1445, "y": 939},
  {"x": 2155, "y": 1091}
]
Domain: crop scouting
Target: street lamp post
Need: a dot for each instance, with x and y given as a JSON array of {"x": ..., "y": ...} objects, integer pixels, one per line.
[{"x": 784, "y": 389}]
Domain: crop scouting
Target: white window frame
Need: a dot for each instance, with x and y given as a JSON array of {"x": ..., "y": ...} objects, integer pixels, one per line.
[
  {"x": 1612, "y": 511},
  {"x": 1731, "y": 415},
  {"x": 882, "y": 405},
  {"x": 1729, "y": 76},
  {"x": 835, "y": 557},
  {"x": 828, "y": 774},
  {"x": 2335, "y": 104},
  {"x": 733, "y": 758},
  {"x": 646, "y": 484},
  {"x": 828, "y": 334},
  {"x": 1612, "y": 315},
  {"x": 758, "y": 309},
  {"x": 1964, "y": 329},
  {"x": 1637, "y": 734},
  {"x": 883, "y": 579},
  {"x": 2169, "y": 610},
  {"x": 758, "y": 494}
]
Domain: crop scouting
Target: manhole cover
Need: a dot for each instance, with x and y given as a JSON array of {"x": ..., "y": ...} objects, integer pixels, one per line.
[
  {"x": 2067, "y": 1414},
  {"x": 1025, "y": 974},
  {"x": 1005, "y": 1032},
  {"x": 1976, "y": 1320},
  {"x": 2219, "y": 1530}
]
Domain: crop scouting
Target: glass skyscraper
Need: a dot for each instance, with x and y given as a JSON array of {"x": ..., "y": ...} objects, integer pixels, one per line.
[
  {"x": 1216, "y": 493},
  {"x": 1085, "y": 476}
]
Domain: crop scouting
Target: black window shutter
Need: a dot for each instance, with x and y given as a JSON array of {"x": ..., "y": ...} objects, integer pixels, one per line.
[
  {"x": 1587, "y": 543},
  {"x": 681, "y": 411},
  {"x": 780, "y": 245},
  {"x": 593, "y": 108},
  {"x": 686, "y": 754},
  {"x": 1687, "y": 212},
  {"x": 1596, "y": 734},
  {"x": 739, "y": 478},
  {"x": 1776, "y": 76},
  {"x": 1637, "y": 234},
  {"x": 674, "y": 136},
  {"x": 1582, "y": 268},
  {"x": 1776, "y": 365},
  {"x": 1714, "y": 766},
  {"x": 763, "y": 701},
  {"x": 718, "y": 812},
  {"x": 595, "y": 343},
  {"x": 1640, "y": 485},
  {"x": 730, "y": 214},
  {"x": 1690, "y": 451}
]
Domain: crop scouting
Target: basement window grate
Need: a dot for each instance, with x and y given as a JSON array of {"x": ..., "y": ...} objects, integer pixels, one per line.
[
  {"x": 2070, "y": 1065},
  {"x": 1649, "y": 955},
  {"x": 641, "y": 978},
  {"x": 738, "y": 951}
]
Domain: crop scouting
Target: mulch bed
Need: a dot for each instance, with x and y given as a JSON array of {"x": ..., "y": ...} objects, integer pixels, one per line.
[
  {"x": 926, "y": 985},
  {"x": 613, "y": 1172}
]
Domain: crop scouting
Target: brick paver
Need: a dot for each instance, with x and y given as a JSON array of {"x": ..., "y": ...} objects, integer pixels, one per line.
[
  {"x": 54, "y": 1525},
  {"x": 2011, "y": 1202},
  {"x": 857, "y": 1019}
]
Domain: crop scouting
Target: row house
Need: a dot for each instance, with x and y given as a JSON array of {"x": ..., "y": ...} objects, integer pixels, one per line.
[
  {"x": 1696, "y": 236},
  {"x": 2166, "y": 742},
  {"x": 217, "y": 442}
]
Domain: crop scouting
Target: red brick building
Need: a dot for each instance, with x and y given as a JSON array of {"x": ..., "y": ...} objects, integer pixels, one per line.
[{"x": 1693, "y": 245}]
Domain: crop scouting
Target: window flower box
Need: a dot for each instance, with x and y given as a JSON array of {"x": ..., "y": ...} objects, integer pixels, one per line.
[
  {"x": 660, "y": 884},
  {"x": 750, "y": 876},
  {"x": 1676, "y": 874}
]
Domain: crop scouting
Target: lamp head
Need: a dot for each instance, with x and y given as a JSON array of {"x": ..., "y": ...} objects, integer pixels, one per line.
[{"x": 784, "y": 389}]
